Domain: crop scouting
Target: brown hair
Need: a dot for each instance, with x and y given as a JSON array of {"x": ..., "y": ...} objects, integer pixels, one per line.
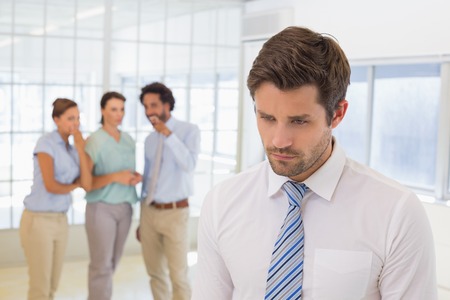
[
  {"x": 298, "y": 56},
  {"x": 60, "y": 105},
  {"x": 108, "y": 96}
]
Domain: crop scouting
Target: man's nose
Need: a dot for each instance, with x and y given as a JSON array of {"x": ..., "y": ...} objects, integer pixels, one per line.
[{"x": 282, "y": 137}]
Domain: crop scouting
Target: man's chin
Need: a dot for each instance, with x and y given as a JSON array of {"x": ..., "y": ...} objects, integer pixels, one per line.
[{"x": 279, "y": 168}]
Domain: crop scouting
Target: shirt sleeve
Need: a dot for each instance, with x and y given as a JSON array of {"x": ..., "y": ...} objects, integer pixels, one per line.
[
  {"x": 185, "y": 151},
  {"x": 409, "y": 271},
  {"x": 44, "y": 145},
  {"x": 91, "y": 148},
  {"x": 212, "y": 279}
]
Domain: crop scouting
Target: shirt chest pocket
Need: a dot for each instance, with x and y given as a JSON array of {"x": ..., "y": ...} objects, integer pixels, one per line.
[{"x": 340, "y": 274}]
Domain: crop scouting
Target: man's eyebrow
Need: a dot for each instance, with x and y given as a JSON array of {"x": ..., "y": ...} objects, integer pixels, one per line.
[
  {"x": 262, "y": 113},
  {"x": 304, "y": 116}
]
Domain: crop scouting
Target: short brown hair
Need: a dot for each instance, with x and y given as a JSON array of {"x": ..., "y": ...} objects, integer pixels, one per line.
[
  {"x": 298, "y": 56},
  {"x": 60, "y": 105}
]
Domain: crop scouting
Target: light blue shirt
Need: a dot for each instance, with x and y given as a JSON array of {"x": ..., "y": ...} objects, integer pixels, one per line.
[
  {"x": 110, "y": 156},
  {"x": 66, "y": 169},
  {"x": 179, "y": 158}
]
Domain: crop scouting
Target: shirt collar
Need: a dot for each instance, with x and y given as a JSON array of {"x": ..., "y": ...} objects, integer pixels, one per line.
[
  {"x": 323, "y": 182},
  {"x": 57, "y": 137},
  {"x": 171, "y": 123}
]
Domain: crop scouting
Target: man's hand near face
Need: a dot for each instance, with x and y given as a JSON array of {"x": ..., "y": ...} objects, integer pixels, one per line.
[{"x": 160, "y": 126}]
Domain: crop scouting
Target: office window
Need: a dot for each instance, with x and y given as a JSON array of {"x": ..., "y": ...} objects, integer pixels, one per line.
[
  {"x": 405, "y": 122},
  {"x": 394, "y": 128},
  {"x": 351, "y": 133},
  {"x": 82, "y": 48}
]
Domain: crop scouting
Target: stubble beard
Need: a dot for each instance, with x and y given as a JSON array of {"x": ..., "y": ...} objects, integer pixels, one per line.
[{"x": 302, "y": 163}]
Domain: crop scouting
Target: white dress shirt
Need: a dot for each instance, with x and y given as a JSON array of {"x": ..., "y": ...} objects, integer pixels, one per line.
[
  {"x": 179, "y": 158},
  {"x": 366, "y": 236}
]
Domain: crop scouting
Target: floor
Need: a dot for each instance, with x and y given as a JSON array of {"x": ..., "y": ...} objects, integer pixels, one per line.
[{"x": 130, "y": 280}]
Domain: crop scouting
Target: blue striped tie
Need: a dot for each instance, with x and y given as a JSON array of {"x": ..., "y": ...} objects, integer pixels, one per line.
[{"x": 285, "y": 277}]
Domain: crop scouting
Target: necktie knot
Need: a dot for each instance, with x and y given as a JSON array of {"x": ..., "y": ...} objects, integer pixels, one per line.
[{"x": 295, "y": 192}]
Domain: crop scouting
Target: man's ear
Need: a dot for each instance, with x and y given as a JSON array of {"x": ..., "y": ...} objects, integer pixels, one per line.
[{"x": 339, "y": 113}]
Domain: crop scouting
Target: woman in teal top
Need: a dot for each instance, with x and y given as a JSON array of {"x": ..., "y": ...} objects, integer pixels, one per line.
[
  {"x": 59, "y": 168},
  {"x": 112, "y": 159}
]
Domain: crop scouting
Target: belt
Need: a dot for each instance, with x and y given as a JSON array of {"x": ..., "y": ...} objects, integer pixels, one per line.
[{"x": 171, "y": 205}]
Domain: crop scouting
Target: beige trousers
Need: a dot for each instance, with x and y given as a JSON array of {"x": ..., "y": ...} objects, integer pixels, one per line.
[
  {"x": 44, "y": 239},
  {"x": 164, "y": 240}
]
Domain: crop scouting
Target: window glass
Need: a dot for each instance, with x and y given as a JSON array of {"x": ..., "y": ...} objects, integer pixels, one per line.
[
  {"x": 207, "y": 142},
  {"x": 76, "y": 212},
  {"x": 142, "y": 122},
  {"x": 123, "y": 63},
  {"x": 176, "y": 80},
  {"x": 227, "y": 29},
  {"x": 22, "y": 155},
  {"x": 27, "y": 107},
  {"x": 140, "y": 142},
  {"x": 151, "y": 63},
  {"x": 152, "y": 22},
  {"x": 228, "y": 78},
  {"x": 90, "y": 18},
  {"x": 5, "y": 108},
  {"x": 180, "y": 109},
  {"x": 5, "y": 157},
  {"x": 5, "y": 58},
  {"x": 177, "y": 59},
  {"x": 59, "y": 61},
  {"x": 228, "y": 107},
  {"x": 351, "y": 132},
  {"x": 178, "y": 26},
  {"x": 203, "y": 58},
  {"x": 223, "y": 168},
  {"x": 226, "y": 143},
  {"x": 88, "y": 99},
  {"x": 6, "y": 13},
  {"x": 26, "y": 22},
  {"x": 89, "y": 62},
  {"x": 405, "y": 122},
  {"x": 171, "y": 42},
  {"x": 132, "y": 96},
  {"x": 5, "y": 205},
  {"x": 19, "y": 190},
  {"x": 124, "y": 19},
  {"x": 202, "y": 108},
  {"x": 28, "y": 65},
  {"x": 60, "y": 18},
  {"x": 205, "y": 27}
]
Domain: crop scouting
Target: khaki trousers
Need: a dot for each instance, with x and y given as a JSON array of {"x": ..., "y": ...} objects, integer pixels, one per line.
[
  {"x": 44, "y": 239},
  {"x": 164, "y": 241}
]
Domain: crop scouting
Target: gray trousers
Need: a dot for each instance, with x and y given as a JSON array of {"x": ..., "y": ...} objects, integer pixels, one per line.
[{"x": 107, "y": 227}]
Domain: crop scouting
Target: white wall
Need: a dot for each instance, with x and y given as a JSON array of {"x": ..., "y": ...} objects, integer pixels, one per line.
[{"x": 368, "y": 29}]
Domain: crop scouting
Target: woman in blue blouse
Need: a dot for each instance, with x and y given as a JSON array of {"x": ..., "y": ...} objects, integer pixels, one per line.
[
  {"x": 59, "y": 168},
  {"x": 112, "y": 159}
]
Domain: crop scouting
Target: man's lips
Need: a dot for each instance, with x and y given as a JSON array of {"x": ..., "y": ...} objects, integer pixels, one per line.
[{"x": 279, "y": 156}]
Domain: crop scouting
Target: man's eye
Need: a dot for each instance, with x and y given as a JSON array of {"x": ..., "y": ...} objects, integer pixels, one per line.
[
  {"x": 299, "y": 122},
  {"x": 267, "y": 118}
]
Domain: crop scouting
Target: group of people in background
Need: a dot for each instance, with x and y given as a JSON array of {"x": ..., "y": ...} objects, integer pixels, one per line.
[{"x": 104, "y": 165}]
